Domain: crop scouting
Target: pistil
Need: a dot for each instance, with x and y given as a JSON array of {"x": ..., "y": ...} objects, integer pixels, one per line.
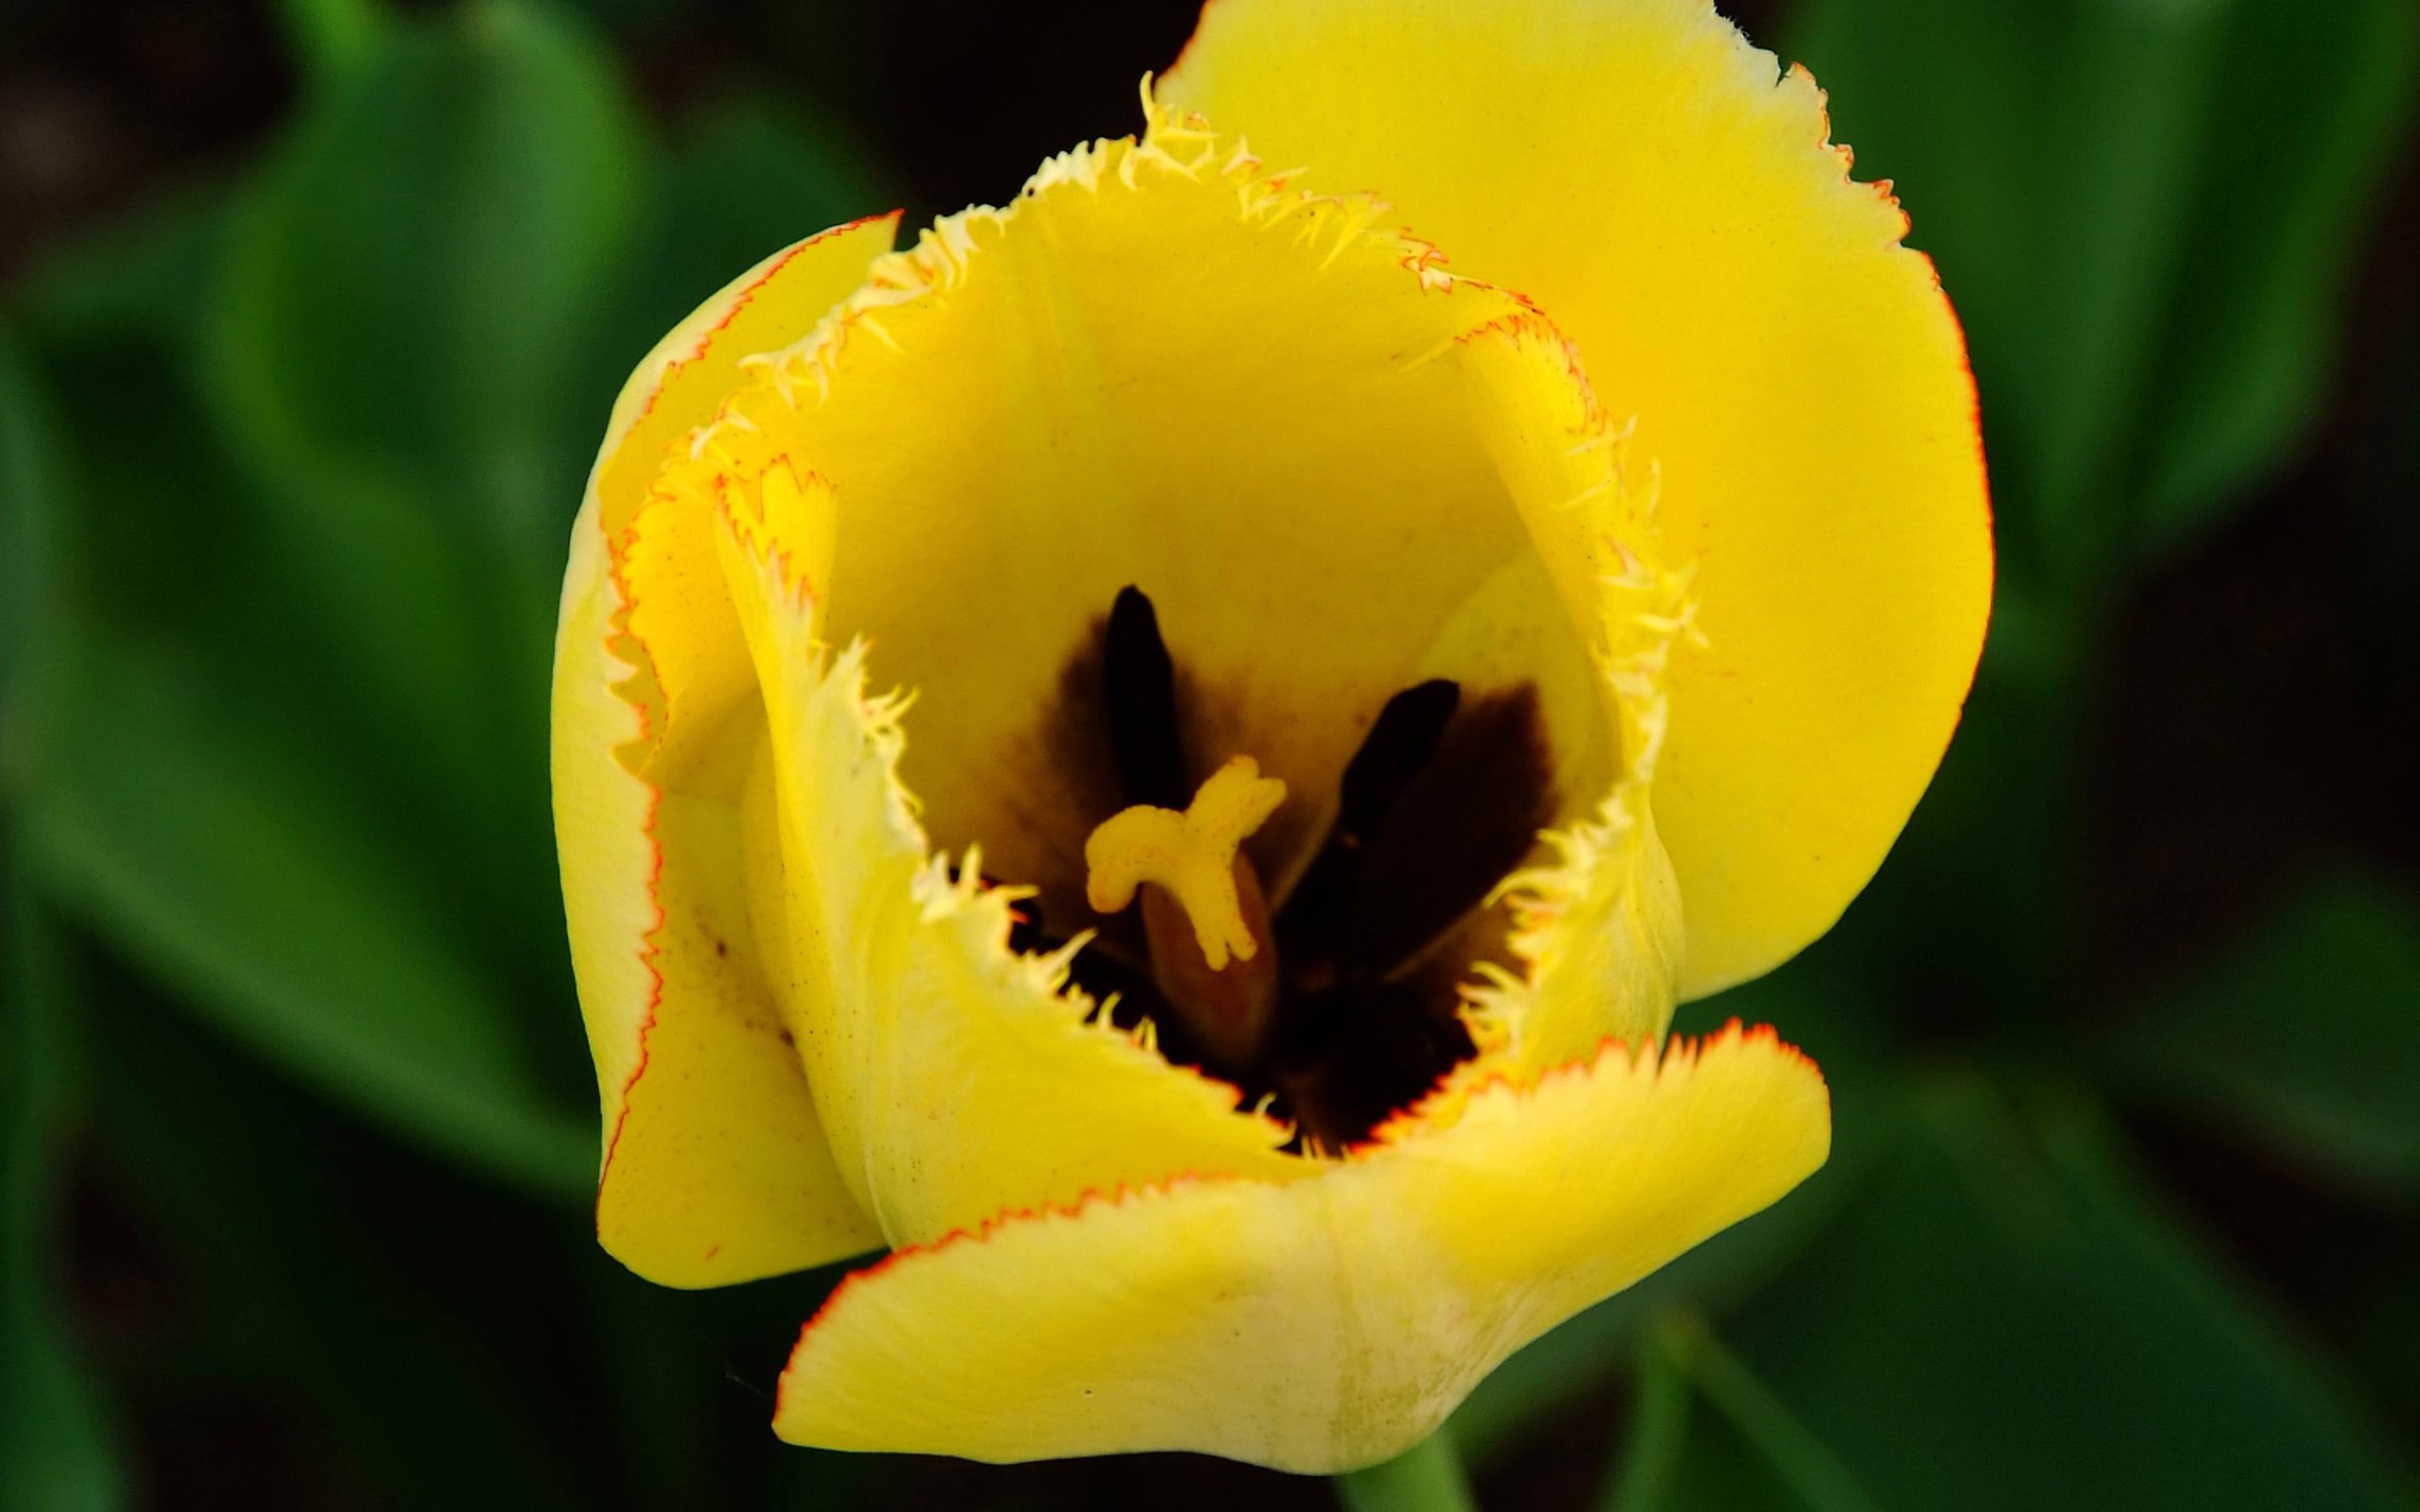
[{"x": 1204, "y": 915}]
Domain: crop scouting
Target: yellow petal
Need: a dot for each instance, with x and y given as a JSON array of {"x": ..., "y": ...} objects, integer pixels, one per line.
[
  {"x": 950, "y": 1073},
  {"x": 1159, "y": 368},
  {"x": 680, "y": 384},
  {"x": 1320, "y": 1326},
  {"x": 1598, "y": 933},
  {"x": 1794, "y": 372},
  {"x": 715, "y": 1167}
]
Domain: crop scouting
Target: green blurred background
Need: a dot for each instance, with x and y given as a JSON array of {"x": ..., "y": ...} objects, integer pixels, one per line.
[{"x": 311, "y": 317}]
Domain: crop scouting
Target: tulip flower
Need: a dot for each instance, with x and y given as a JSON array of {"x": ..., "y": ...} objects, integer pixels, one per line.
[{"x": 1167, "y": 753}]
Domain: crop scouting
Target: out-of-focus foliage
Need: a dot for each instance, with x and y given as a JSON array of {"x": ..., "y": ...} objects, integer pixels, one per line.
[
  {"x": 2307, "y": 1032},
  {"x": 287, "y": 747},
  {"x": 2146, "y": 211},
  {"x": 55, "y": 1451},
  {"x": 54, "y": 1448},
  {"x": 286, "y": 457},
  {"x": 2004, "y": 1318},
  {"x": 300, "y": 451}
]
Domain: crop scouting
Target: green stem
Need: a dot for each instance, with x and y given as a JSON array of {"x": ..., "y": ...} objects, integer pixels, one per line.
[
  {"x": 1802, "y": 1461},
  {"x": 1425, "y": 1478},
  {"x": 1659, "y": 1424}
]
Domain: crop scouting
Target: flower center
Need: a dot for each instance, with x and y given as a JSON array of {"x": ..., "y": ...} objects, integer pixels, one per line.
[
  {"x": 1338, "y": 1002},
  {"x": 1205, "y": 915}
]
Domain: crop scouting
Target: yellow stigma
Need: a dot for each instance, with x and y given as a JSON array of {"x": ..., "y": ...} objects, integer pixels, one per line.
[{"x": 1192, "y": 855}]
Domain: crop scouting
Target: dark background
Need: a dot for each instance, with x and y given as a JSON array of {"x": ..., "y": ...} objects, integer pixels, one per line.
[{"x": 312, "y": 314}]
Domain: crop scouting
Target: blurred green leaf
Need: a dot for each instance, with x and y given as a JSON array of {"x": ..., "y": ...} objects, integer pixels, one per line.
[
  {"x": 292, "y": 756},
  {"x": 128, "y": 278},
  {"x": 318, "y": 1257},
  {"x": 2311, "y": 100},
  {"x": 1716, "y": 1468},
  {"x": 2144, "y": 209},
  {"x": 29, "y": 509},
  {"x": 1705, "y": 1435},
  {"x": 1723, "y": 1442},
  {"x": 393, "y": 347},
  {"x": 2043, "y": 150},
  {"x": 2308, "y": 1033},
  {"x": 331, "y": 36},
  {"x": 1798, "y": 1458},
  {"x": 56, "y": 1449},
  {"x": 189, "y": 781},
  {"x": 469, "y": 1350},
  {"x": 1649, "y": 1460},
  {"x": 2006, "y": 1321},
  {"x": 212, "y": 779},
  {"x": 225, "y": 859},
  {"x": 405, "y": 285}
]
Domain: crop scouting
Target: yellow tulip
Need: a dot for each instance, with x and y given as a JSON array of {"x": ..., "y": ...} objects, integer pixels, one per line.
[{"x": 1351, "y": 696}]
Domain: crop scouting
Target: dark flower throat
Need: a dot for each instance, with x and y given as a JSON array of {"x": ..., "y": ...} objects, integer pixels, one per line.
[{"x": 1445, "y": 796}]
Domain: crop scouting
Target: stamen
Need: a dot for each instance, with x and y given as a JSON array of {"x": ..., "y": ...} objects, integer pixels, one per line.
[
  {"x": 1191, "y": 854},
  {"x": 1344, "y": 1007},
  {"x": 1203, "y": 914},
  {"x": 1397, "y": 750},
  {"x": 1138, "y": 693}
]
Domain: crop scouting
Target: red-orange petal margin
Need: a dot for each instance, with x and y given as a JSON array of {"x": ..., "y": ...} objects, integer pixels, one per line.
[
  {"x": 1321, "y": 1325},
  {"x": 715, "y": 1168}
]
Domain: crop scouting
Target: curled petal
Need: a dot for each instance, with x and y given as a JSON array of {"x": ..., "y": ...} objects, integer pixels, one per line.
[
  {"x": 1795, "y": 375},
  {"x": 716, "y": 1168},
  {"x": 1320, "y": 1326},
  {"x": 1161, "y": 366},
  {"x": 950, "y": 1068}
]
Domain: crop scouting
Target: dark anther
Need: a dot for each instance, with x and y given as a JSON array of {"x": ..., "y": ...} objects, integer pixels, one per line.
[
  {"x": 1138, "y": 690},
  {"x": 1399, "y": 745},
  {"x": 1393, "y": 753},
  {"x": 1468, "y": 819},
  {"x": 1445, "y": 797}
]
